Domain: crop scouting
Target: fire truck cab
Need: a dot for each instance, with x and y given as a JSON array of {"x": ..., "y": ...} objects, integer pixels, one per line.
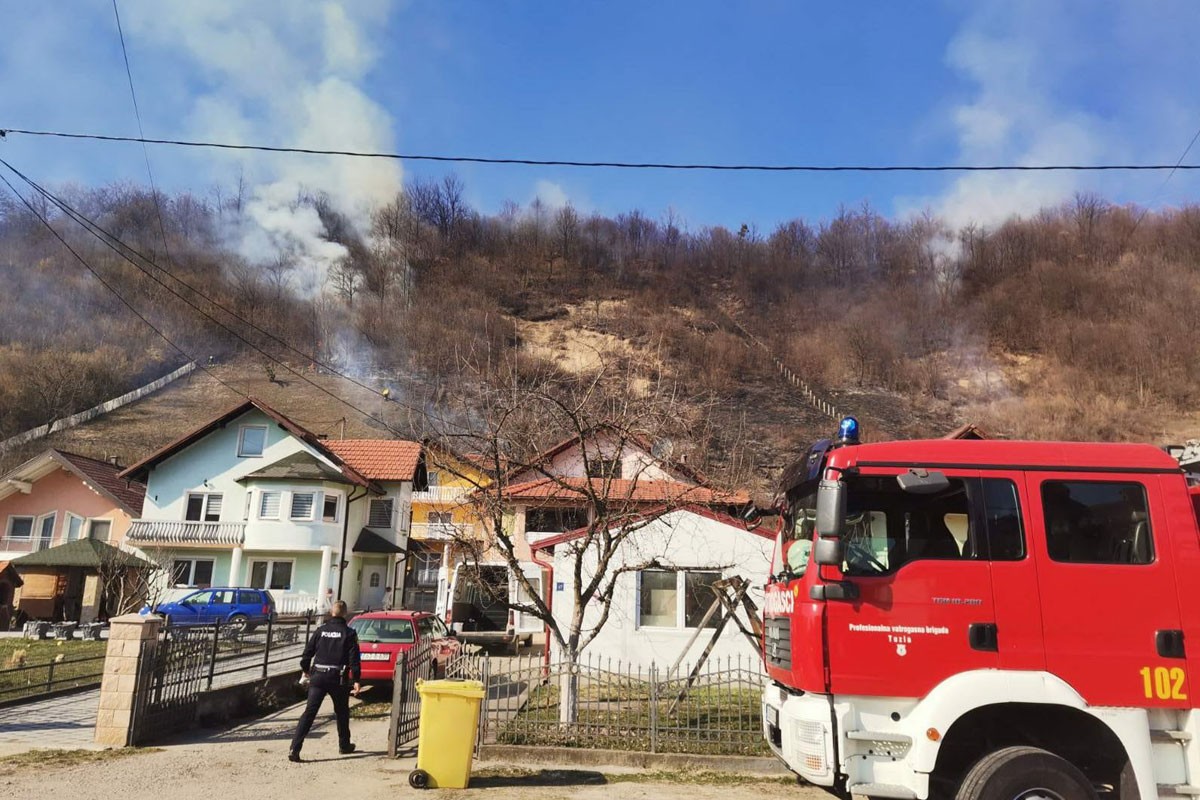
[{"x": 985, "y": 619}]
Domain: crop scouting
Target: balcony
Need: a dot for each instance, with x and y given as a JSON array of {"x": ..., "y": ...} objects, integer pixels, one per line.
[
  {"x": 151, "y": 531},
  {"x": 439, "y": 532},
  {"x": 23, "y": 544},
  {"x": 441, "y": 495}
]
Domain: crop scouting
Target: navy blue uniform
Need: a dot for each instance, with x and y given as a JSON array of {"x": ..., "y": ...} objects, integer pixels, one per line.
[{"x": 330, "y": 656}]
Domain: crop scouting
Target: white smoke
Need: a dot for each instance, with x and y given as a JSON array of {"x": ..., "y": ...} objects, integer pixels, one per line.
[{"x": 287, "y": 74}]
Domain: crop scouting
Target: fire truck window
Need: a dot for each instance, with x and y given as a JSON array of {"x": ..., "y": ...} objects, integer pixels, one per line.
[
  {"x": 887, "y": 527},
  {"x": 1002, "y": 510},
  {"x": 1096, "y": 522}
]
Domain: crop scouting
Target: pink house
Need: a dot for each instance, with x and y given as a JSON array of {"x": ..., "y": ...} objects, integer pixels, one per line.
[{"x": 56, "y": 498}]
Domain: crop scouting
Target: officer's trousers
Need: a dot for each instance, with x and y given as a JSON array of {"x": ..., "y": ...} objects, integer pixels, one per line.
[{"x": 325, "y": 683}]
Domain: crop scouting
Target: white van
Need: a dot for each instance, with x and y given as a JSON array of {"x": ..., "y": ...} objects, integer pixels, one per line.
[{"x": 478, "y": 604}]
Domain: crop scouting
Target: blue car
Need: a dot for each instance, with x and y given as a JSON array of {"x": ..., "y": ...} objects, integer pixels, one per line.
[{"x": 243, "y": 609}]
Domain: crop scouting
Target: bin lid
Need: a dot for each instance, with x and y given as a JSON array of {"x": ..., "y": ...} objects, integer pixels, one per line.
[{"x": 451, "y": 686}]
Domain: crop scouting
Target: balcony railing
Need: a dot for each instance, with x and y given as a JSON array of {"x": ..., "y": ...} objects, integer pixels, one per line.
[
  {"x": 440, "y": 532},
  {"x": 152, "y": 531},
  {"x": 441, "y": 495},
  {"x": 23, "y": 544}
]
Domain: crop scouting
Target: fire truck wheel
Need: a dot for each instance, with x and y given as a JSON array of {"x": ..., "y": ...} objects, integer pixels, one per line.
[{"x": 1024, "y": 773}]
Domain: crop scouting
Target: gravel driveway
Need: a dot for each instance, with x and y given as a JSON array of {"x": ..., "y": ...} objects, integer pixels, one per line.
[{"x": 250, "y": 762}]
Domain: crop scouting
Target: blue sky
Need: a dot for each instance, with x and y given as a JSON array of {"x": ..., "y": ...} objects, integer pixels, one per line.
[{"x": 998, "y": 81}]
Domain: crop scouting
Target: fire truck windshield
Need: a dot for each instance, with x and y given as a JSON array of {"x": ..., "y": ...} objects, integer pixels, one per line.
[{"x": 794, "y": 547}]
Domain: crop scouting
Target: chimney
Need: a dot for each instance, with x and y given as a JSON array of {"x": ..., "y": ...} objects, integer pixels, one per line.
[{"x": 114, "y": 460}]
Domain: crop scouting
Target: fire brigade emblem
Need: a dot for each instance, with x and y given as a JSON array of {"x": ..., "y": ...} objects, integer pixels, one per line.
[{"x": 901, "y": 649}]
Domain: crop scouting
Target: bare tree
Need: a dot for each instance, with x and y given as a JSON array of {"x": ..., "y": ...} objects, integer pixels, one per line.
[{"x": 507, "y": 422}]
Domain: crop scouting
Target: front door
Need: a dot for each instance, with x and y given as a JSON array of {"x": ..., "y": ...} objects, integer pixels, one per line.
[
  {"x": 925, "y": 610},
  {"x": 1110, "y": 608},
  {"x": 373, "y": 586}
]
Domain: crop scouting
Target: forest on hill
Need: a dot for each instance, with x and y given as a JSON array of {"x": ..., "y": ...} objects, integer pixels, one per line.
[{"x": 1070, "y": 322}]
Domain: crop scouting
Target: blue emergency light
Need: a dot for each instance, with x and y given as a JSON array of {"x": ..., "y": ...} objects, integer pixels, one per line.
[{"x": 848, "y": 431}]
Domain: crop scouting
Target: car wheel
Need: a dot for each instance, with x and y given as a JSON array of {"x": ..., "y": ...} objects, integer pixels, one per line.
[
  {"x": 418, "y": 779},
  {"x": 1025, "y": 773},
  {"x": 239, "y": 623}
]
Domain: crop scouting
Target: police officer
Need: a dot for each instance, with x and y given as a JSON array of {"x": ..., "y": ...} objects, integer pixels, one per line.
[{"x": 330, "y": 654}]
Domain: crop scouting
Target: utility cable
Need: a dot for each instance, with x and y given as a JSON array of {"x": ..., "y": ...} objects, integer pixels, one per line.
[
  {"x": 120, "y": 246},
  {"x": 537, "y": 162},
  {"x": 162, "y": 228},
  {"x": 96, "y": 274}
]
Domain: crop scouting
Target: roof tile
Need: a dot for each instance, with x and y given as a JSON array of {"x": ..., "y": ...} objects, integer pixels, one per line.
[{"x": 379, "y": 459}]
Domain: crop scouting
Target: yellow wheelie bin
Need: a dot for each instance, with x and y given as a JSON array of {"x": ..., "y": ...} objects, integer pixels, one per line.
[{"x": 446, "y": 734}]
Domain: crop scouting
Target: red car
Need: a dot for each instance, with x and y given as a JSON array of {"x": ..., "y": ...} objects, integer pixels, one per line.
[{"x": 382, "y": 635}]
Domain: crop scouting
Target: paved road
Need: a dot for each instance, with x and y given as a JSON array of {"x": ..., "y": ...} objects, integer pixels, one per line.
[{"x": 69, "y": 722}]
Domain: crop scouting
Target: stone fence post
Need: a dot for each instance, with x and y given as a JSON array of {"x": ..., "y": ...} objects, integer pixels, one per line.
[{"x": 122, "y": 665}]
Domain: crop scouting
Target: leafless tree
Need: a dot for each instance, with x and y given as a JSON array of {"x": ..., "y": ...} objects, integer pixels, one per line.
[{"x": 506, "y": 420}]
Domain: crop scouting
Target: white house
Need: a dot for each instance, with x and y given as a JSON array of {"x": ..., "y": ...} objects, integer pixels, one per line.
[
  {"x": 253, "y": 499},
  {"x": 656, "y": 610}
]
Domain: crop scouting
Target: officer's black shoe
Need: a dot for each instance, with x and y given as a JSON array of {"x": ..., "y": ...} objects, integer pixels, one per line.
[
  {"x": 347, "y": 750},
  {"x": 294, "y": 756}
]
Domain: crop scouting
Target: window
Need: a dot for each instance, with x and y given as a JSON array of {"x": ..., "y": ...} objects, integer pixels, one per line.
[
  {"x": 302, "y": 505},
  {"x": 399, "y": 631},
  {"x": 555, "y": 520},
  {"x": 380, "y": 515},
  {"x": 46, "y": 531},
  {"x": 329, "y": 508},
  {"x": 252, "y": 440},
  {"x": 268, "y": 506},
  {"x": 249, "y": 598},
  {"x": 20, "y": 527},
  {"x": 698, "y": 597},
  {"x": 271, "y": 575},
  {"x": 427, "y": 565},
  {"x": 192, "y": 571},
  {"x": 440, "y": 518},
  {"x": 431, "y": 478},
  {"x": 604, "y": 468},
  {"x": 74, "y": 527},
  {"x": 659, "y": 599},
  {"x": 374, "y": 580},
  {"x": 439, "y": 628},
  {"x": 1093, "y": 522},
  {"x": 425, "y": 627},
  {"x": 202, "y": 507},
  {"x": 676, "y": 599},
  {"x": 1002, "y": 513},
  {"x": 100, "y": 529}
]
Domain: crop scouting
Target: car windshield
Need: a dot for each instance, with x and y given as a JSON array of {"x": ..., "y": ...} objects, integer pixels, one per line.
[{"x": 398, "y": 631}]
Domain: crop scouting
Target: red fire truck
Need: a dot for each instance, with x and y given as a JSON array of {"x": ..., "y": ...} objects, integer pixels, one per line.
[{"x": 985, "y": 619}]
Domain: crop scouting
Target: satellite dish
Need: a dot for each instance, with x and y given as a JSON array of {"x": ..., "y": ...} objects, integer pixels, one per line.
[{"x": 662, "y": 449}]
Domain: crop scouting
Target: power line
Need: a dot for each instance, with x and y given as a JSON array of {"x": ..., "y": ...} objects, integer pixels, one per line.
[
  {"x": 95, "y": 273},
  {"x": 119, "y": 246},
  {"x": 162, "y": 228},
  {"x": 113, "y": 242},
  {"x": 535, "y": 162}
]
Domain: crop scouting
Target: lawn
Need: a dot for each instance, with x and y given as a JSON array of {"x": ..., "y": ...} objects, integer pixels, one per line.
[
  {"x": 620, "y": 716},
  {"x": 78, "y": 664}
]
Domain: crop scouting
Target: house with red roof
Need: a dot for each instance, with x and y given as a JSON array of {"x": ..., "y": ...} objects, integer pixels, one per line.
[
  {"x": 251, "y": 498},
  {"x": 53, "y": 499},
  {"x": 661, "y": 577},
  {"x": 558, "y": 491}
]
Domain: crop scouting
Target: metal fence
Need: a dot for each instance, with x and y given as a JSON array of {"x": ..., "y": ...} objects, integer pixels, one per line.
[
  {"x": 620, "y": 706},
  {"x": 29, "y": 682},
  {"x": 411, "y": 666},
  {"x": 188, "y": 661}
]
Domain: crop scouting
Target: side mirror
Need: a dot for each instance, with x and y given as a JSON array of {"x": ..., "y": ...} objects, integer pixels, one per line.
[
  {"x": 828, "y": 552},
  {"x": 831, "y": 508},
  {"x": 922, "y": 481}
]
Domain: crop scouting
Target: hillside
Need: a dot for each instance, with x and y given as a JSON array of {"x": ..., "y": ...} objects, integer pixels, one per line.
[{"x": 1071, "y": 324}]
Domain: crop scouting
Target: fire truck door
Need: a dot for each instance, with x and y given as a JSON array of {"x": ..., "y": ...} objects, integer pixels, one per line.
[
  {"x": 925, "y": 610},
  {"x": 1110, "y": 609}
]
